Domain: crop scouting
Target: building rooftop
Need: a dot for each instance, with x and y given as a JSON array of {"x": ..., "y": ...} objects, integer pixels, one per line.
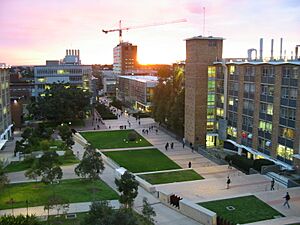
[
  {"x": 275, "y": 63},
  {"x": 204, "y": 38},
  {"x": 144, "y": 79}
]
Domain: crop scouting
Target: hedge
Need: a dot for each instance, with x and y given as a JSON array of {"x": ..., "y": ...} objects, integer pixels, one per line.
[{"x": 105, "y": 113}]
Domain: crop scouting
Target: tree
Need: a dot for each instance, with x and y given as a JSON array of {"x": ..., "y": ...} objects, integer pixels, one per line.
[
  {"x": 19, "y": 220},
  {"x": 100, "y": 214},
  {"x": 58, "y": 203},
  {"x": 128, "y": 186},
  {"x": 148, "y": 211},
  {"x": 3, "y": 178},
  {"x": 66, "y": 134},
  {"x": 168, "y": 100},
  {"x": 48, "y": 167},
  {"x": 61, "y": 103},
  {"x": 91, "y": 164}
]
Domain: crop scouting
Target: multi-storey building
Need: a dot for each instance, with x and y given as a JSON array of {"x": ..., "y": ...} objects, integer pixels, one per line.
[
  {"x": 125, "y": 58},
  {"x": 5, "y": 116},
  {"x": 69, "y": 70},
  {"x": 253, "y": 107},
  {"x": 137, "y": 91}
]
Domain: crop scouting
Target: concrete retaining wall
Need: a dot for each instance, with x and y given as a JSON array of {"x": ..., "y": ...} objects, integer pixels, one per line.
[
  {"x": 144, "y": 184},
  {"x": 197, "y": 212},
  {"x": 79, "y": 139},
  {"x": 190, "y": 209}
]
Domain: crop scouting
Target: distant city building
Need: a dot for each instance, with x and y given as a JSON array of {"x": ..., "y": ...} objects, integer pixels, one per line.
[
  {"x": 109, "y": 81},
  {"x": 21, "y": 91},
  {"x": 5, "y": 115},
  {"x": 125, "y": 58},
  {"x": 137, "y": 91},
  {"x": 252, "y": 106},
  {"x": 69, "y": 70}
]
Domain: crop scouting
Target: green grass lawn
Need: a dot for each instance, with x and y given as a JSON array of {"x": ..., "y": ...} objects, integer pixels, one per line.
[
  {"x": 114, "y": 139},
  {"x": 26, "y": 164},
  {"x": 170, "y": 177},
  {"x": 248, "y": 209},
  {"x": 144, "y": 160},
  {"x": 75, "y": 190}
]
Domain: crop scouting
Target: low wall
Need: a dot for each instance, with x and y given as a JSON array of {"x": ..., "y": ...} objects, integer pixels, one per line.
[
  {"x": 144, "y": 184},
  {"x": 197, "y": 212},
  {"x": 79, "y": 139},
  {"x": 190, "y": 209}
]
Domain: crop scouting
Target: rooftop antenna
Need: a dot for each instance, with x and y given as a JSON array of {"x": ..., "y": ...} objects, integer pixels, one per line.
[{"x": 203, "y": 21}]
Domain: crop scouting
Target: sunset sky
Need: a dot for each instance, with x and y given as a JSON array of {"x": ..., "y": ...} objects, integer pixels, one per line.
[{"x": 32, "y": 31}]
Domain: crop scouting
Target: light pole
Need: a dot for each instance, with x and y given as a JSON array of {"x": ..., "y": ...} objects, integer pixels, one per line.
[{"x": 27, "y": 207}]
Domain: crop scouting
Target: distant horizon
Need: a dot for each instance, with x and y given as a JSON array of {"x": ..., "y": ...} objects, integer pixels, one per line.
[{"x": 31, "y": 33}]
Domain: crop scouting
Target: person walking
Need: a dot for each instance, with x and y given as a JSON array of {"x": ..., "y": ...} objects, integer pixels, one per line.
[
  {"x": 190, "y": 164},
  {"x": 172, "y": 145},
  {"x": 183, "y": 142},
  {"x": 272, "y": 184},
  {"x": 228, "y": 182},
  {"x": 287, "y": 197},
  {"x": 167, "y": 146}
]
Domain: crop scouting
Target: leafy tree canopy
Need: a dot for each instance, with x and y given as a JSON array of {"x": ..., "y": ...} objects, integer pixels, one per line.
[{"x": 61, "y": 103}]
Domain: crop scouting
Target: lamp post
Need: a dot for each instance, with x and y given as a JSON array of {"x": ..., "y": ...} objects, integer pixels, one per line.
[
  {"x": 27, "y": 207},
  {"x": 12, "y": 206}
]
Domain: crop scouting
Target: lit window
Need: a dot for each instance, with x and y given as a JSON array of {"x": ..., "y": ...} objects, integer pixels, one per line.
[
  {"x": 285, "y": 152},
  {"x": 211, "y": 71},
  {"x": 231, "y": 69},
  {"x": 41, "y": 80}
]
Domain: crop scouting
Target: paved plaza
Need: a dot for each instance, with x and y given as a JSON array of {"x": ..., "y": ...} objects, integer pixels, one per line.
[{"x": 213, "y": 187}]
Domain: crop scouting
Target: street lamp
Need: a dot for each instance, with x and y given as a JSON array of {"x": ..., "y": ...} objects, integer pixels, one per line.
[{"x": 27, "y": 207}]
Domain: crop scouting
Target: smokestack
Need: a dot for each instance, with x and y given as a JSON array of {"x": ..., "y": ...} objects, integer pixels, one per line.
[
  {"x": 66, "y": 51},
  {"x": 272, "y": 48},
  {"x": 75, "y": 52},
  {"x": 281, "y": 40},
  {"x": 296, "y": 51},
  {"x": 78, "y": 54},
  {"x": 261, "y": 42},
  {"x": 69, "y": 51},
  {"x": 72, "y": 51}
]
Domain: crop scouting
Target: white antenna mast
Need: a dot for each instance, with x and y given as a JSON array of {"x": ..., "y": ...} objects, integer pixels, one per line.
[{"x": 203, "y": 21}]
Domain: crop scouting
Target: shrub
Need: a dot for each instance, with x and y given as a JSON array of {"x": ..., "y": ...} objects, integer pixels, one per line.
[
  {"x": 105, "y": 113},
  {"x": 258, "y": 163},
  {"x": 132, "y": 136},
  {"x": 241, "y": 162}
]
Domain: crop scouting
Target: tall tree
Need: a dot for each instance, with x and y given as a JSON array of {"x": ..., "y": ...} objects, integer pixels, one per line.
[
  {"x": 61, "y": 103},
  {"x": 128, "y": 186},
  {"x": 91, "y": 164},
  {"x": 48, "y": 167},
  {"x": 66, "y": 134},
  {"x": 148, "y": 211}
]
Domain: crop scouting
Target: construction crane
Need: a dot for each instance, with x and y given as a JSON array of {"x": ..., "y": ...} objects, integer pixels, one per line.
[{"x": 120, "y": 29}]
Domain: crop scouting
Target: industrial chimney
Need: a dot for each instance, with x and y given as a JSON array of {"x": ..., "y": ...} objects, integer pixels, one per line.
[
  {"x": 261, "y": 42},
  {"x": 272, "y": 49},
  {"x": 281, "y": 40}
]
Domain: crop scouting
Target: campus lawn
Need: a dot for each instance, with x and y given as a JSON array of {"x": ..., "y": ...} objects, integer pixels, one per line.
[
  {"x": 26, "y": 164},
  {"x": 143, "y": 160},
  {"x": 170, "y": 177},
  {"x": 75, "y": 190},
  {"x": 248, "y": 209},
  {"x": 114, "y": 139}
]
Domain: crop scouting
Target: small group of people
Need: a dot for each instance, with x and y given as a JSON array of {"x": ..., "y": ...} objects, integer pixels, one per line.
[{"x": 167, "y": 145}]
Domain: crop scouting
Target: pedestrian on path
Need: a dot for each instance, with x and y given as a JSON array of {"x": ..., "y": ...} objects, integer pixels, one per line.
[
  {"x": 190, "y": 165},
  {"x": 287, "y": 197},
  {"x": 230, "y": 164},
  {"x": 172, "y": 145},
  {"x": 167, "y": 146},
  {"x": 183, "y": 142},
  {"x": 228, "y": 182},
  {"x": 272, "y": 184},
  {"x": 156, "y": 131}
]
